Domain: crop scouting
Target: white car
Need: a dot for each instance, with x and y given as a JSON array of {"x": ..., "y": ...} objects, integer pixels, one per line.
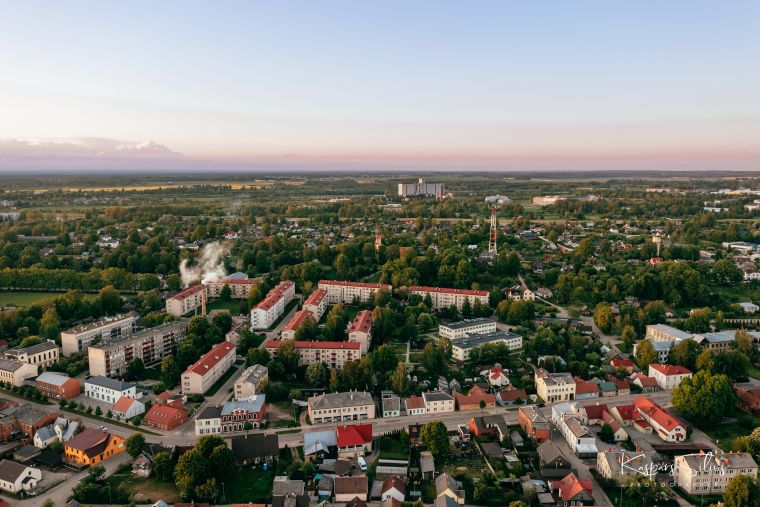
[{"x": 362, "y": 463}]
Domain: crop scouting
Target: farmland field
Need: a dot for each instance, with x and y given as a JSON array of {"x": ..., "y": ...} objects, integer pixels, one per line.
[{"x": 22, "y": 298}]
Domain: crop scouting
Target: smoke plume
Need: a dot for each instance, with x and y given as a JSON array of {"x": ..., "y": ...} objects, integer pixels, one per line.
[{"x": 209, "y": 266}]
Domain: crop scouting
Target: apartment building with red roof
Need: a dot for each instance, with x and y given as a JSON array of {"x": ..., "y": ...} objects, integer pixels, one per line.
[
  {"x": 200, "y": 376},
  {"x": 360, "y": 330},
  {"x": 334, "y": 354},
  {"x": 345, "y": 292},
  {"x": 316, "y": 303},
  {"x": 266, "y": 313},
  {"x": 444, "y": 297},
  {"x": 294, "y": 324}
]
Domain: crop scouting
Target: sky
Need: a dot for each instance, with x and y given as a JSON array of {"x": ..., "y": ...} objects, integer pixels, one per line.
[{"x": 385, "y": 85}]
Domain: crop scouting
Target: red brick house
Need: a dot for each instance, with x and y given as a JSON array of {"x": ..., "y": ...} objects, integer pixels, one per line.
[
  {"x": 24, "y": 421},
  {"x": 58, "y": 386},
  {"x": 165, "y": 417},
  {"x": 534, "y": 424}
]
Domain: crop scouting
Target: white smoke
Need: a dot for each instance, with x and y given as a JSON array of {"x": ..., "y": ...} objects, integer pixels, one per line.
[{"x": 208, "y": 268}]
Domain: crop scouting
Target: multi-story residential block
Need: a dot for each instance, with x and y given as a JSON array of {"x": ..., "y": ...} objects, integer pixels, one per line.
[
  {"x": 298, "y": 320},
  {"x": 93, "y": 446},
  {"x": 667, "y": 427},
  {"x": 461, "y": 347},
  {"x": 334, "y": 354},
  {"x": 534, "y": 424},
  {"x": 437, "y": 402},
  {"x": 316, "y": 303},
  {"x": 709, "y": 473},
  {"x": 668, "y": 376},
  {"x": 43, "y": 354},
  {"x": 239, "y": 283},
  {"x": 108, "y": 389},
  {"x": 444, "y": 298},
  {"x": 665, "y": 333},
  {"x": 110, "y": 358},
  {"x": 552, "y": 387},
  {"x": 273, "y": 305},
  {"x": 420, "y": 189},
  {"x": 466, "y": 327},
  {"x": 186, "y": 301},
  {"x": 16, "y": 372},
  {"x": 336, "y": 407},
  {"x": 249, "y": 383},
  {"x": 200, "y": 376},
  {"x": 620, "y": 465},
  {"x": 360, "y": 330},
  {"x": 58, "y": 386},
  {"x": 347, "y": 293},
  {"x": 78, "y": 338}
]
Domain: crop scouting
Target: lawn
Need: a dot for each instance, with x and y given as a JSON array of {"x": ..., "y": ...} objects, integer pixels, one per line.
[
  {"x": 222, "y": 380},
  {"x": 724, "y": 434},
  {"x": 26, "y": 298},
  {"x": 250, "y": 485},
  {"x": 141, "y": 489},
  {"x": 391, "y": 447},
  {"x": 233, "y": 306}
]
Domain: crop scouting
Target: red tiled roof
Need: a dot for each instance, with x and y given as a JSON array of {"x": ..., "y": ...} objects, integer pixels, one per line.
[
  {"x": 584, "y": 387},
  {"x": 474, "y": 396},
  {"x": 362, "y": 322},
  {"x": 571, "y": 486},
  {"x": 512, "y": 394},
  {"x": 162, "y": 413},
  {"x": 273, "y": 344},
  {"x": 343, "y": 283},
  {"x": 670, "y": 369},
  {"x": 123, "y": 404},
  {"x": 645, "y": 380},
  {"x": 414, "y": 402},
  {"x": 298, "y": 320},
  {"x": 626, "y": 412},
  {"x": 394, "y": 482},
  {"x": 656, "y": 413},
  {"x": 315, "y": 297},
  {"x": 87, "y": 439},
  {"x": 274, "y": 295},
  {"x": 187, "y": 292},
  {"x": 210, "y": 358},
  {"x": 351, "y": 436},
  {"x": 443, "y": 290},
  {"x": 595, "y": 411},
  {"x": 622, "y": 363}
]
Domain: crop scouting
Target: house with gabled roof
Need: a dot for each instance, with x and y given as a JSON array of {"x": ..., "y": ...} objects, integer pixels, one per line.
[
  {"x": 574, "y": 491},
  {"x": 353, "y": 441}
]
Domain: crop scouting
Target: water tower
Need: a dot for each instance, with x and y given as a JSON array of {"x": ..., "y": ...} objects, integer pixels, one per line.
[{"x": 657, "y": 240}]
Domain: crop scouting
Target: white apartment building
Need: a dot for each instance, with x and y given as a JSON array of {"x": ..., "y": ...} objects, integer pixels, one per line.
[
  {"x": 462, "y": 328},
  {"x": 444, "y": 298},
  {"x": 339, "y": 291},
  {"x": 271, "y": 307},
  {"x": 249, "y": 383},
  {"x": 43, "y": 354},
  {"x": 336, "y": 407},
  {"x": 108, "y": 390},
  {"x": 298, "y": 320},
  {"x": 668, "y": 376},
  {"x": 200, "y": 376},
  {"x": 316, "y": 303},
  {"x": 665, "y": 333},
  {"x": 461, "y": 347},
  {"x": 16, "y": 372},
  {"x": 437, "y": 402},
  {"x": 360, "y": 330},
  {"x": 78, "y": 338},
  {"x": 710, "y": 473},
  {"x": 552, "y": 387},
  {"x": 334, "y": 354},
  {"x": 186, "y": 301},
  {"x": 239, "y": 283},
  {"x": 110, "y": 358}
]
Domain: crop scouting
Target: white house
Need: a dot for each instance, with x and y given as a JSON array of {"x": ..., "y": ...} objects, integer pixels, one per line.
[
  {"x": 127, "y": 407},
  {"x": 15, "y": 477},
  {"x": 108, "y": 389},
  {"x": 668, "y": 376},
  {"x": 62, "y": 430}
]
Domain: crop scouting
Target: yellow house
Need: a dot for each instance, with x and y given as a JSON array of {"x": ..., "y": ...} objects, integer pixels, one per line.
[{"x": 93, "y": 446}]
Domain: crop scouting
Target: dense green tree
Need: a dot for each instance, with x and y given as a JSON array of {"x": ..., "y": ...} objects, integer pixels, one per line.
[
  {"x": 704, "y": 398},
  {"x": 435, "y": 437},
  {"x": 135, "y": 443}
]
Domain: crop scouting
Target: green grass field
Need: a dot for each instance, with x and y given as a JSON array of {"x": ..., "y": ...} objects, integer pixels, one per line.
[
  {"x": 233, "y": 306},
  {"x": 250, "y": 485},
  {"x": 141, "y": 489},
  {"x": 22, "y": 298}
]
